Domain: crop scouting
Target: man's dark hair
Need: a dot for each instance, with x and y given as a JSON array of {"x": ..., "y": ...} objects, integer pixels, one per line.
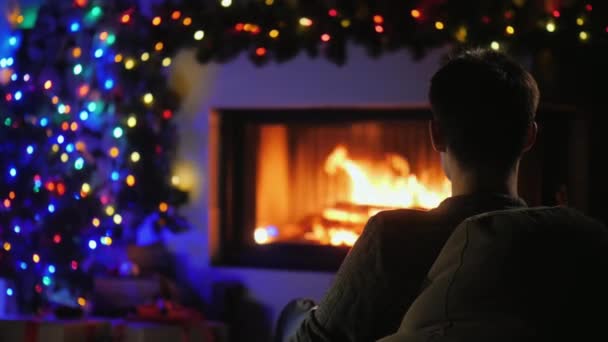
[{"x": 484, "y": 102}]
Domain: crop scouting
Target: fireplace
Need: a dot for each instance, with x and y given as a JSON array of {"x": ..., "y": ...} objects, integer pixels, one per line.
[{"x": 293, "y": 188}]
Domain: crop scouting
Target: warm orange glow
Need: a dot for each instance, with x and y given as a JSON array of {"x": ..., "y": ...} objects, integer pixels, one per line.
[
  {"x": 416, "y": 13},
  {"x": 175, "y": 15},
  {"x": 156, "y": 21},
  {"x": 187, "y": 21},
  {"x": 163, "y": 207},
  {"x": 372, "y": 187},
  {"x": 387, "y": 189}
]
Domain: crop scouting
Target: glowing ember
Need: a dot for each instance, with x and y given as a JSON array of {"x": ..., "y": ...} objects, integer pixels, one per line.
[{"x": 373, "y": 188}]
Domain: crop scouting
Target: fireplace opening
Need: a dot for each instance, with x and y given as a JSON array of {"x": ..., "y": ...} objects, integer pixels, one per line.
[
  {"x": 293, "y": 188},
  {"x": 320, "y": 183}
]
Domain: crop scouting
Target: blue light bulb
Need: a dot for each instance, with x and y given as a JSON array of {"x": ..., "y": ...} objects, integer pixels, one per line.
[
  {"x": 44, "y": 122},
  {"x": 23, "y": 265},
  {"x": 77, "y": 69},
  {"x": 12, "y": 41},
  {"x": 18, "y": 95},
  {"x": 92, "y": 244},
  {"x": 117, "y": 132},
  {"x": 17, "y": 229},
  {"x": 109, "y": 84},
  {"x": 51, "y": 269},
  {"x": 92, "y": 106},
  {"x": 84, "y": 115},
  {"x": 69, "y": 148},
  {"x": 12, "y": 172},
  {"x": 115, "y": 176},
  {"x": 60, "y": 139},
  {"x": 9, "y": 292},
  {"x": 75, "y": 26},
  {"x": 51, "y": 208},
  {"x": 46, "y": 280},
  {"x": 98, "y": 53},
  {"x": 79, "y": 163},
  {"x": 29, "y": 149}
]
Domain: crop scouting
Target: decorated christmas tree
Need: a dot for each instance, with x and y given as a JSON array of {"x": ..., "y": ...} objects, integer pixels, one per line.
[{"x": 86, "y": 142}]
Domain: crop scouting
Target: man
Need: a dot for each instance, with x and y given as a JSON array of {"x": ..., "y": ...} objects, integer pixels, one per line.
[{"x": 483, "y": 105}]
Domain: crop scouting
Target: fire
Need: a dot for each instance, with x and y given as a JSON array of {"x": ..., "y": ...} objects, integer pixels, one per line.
[{"x": 373, "y": 188}]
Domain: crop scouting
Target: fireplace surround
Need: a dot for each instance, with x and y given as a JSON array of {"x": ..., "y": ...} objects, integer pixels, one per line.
[{"x": 291, "y": 188}]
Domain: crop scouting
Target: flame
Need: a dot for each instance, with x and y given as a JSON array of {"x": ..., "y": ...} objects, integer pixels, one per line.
[
  {"x": 392, "y": 188},
  {"x": 388, "y": 185}
]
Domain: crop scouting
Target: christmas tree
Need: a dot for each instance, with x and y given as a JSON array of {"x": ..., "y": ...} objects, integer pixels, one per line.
[{"x": 86, "y": 139}]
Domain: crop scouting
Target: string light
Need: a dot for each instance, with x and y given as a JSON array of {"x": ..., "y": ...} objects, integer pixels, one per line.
[
  {"x": 166, "y": 62},
  {"x": 556, "y": 14},
  {"x": 416, "y": 13},
  {"x": 580, "y": 21},
  {"x": 118, "y": 58},
  {"x": 148, "y": 98},
  {"x": 273, "y": 33},
  {"x": 129, "y": 64},
  {"x": 226, "y": 3},
  {"x": 325, "y": 37},
  {"x": 187, "y": 21},
  {"x": 583, "y": 36},
  {"x": 551, "y": 26},
  {"x": 510, "y": 30},
  {"x": 132, "y": 121},
  {"x": 117, "y": 219},
  {"x": 135, "y": 157},
  {"x": 176, "y": 15},
  {"x": 261, "y": 51},
  {"x": 81, "y": 301},
  {"x": 163, "y": 207},
  {"x": 125, "y": 18},
  {"x": 378, "y": 19},
  {"x": 117, "y": 132},
  {"x": 345, "y": 23},
  {"x": 48, "y": 84},
  {"x": 495, "y": 46},
  {"x": 159, "y": 46},
  {"x": 96, "y": 222},
  {"x": 156, "y": 21},
  {"x": 7, "y": 246},
  {"x": 36, "y": 258},
  {"x": 306, "y": 22},
  {"x": 92, "y": 245},
  {"x": 269, "y": 2},
  {"x": 114, "y": 152},
  {"x": 439, "y": 25},
  {"x": 379, "y": 29},
  {"x": 199, "y": 35},
  {"x": 130, "y": 180},
  {"x": 57, "y": 238}
]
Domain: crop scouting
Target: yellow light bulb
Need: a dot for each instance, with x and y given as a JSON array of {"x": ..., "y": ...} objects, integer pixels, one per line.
[
  {"x": 135, "y": 156},
  {"x": 163, "y": 207},
  {"x": 114, "y": 152},
  {"x": 199, "y": 35},
  {"x": 96, "y": 222},
  {"x": 82, "y": 301},
  {"x": 345, "y": 23},
  {"x": 86, "y": 188},
  {"x": 269, "y": 2},
  {"x": 510, "y": 30},
  {"x": 110, "y": 210},
  {"x": 273, "y": 34},
  {"x": 145, "y": 56},
  {"x": 583, "y": 35},
  {"x": 130, "y": 180},
  {"x": 159, "y": 46},
  {"x": 65, "y": 157},
  {"x": 55, "y": 148},
  {"x": 226, "y": 3},
  {"x": 118, "y": 58},
  {"x": 129, "y": 64},
  {"x": 7, "y": 246},
  {"x": 132, "y": 122},
  {"x": 551, "y": 26},
  {"x": 175, "y": 180},
  {"x": 439, "y": 25},
  {"x": 166, "y": 62},
  {"x": 117, "y": 219},
  {"x": 305, "y": 22},
  {"x": 36, "y": 258},
  {"x": 580, "y": 21},
  {"x": 148, "y": 98},
  {"x": 495, "y": 46}
]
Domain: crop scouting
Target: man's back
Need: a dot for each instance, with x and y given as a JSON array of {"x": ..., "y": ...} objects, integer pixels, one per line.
[
  {"x": 385, "y": 270},
  {"x": 519, "y": 275}
]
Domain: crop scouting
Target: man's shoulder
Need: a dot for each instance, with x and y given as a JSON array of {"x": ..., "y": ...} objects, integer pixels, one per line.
[{"x": 409, "y": 219}]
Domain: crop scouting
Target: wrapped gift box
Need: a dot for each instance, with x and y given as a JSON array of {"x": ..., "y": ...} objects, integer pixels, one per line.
[{"x": 31, "y": 330}]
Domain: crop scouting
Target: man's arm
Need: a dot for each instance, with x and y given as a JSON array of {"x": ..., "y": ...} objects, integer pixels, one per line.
[
  {"x": 348, "y": 309},
  {"x": 378, "y": 280}
]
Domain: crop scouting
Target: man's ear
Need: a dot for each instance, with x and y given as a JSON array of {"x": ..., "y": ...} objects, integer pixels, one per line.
[
  {"x": 531, "y": 136},
  {"x": 437, "y": 137}
]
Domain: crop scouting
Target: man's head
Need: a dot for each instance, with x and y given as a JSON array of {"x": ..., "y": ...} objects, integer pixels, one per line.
[{"x": 484, "y": 106}]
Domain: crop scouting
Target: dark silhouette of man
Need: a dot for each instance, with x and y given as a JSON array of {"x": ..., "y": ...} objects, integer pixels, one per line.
[{"x": 484, "y": 107}]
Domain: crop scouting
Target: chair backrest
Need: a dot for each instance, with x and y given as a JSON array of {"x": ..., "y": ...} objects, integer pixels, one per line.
[{"x": 514, "y": 275}]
